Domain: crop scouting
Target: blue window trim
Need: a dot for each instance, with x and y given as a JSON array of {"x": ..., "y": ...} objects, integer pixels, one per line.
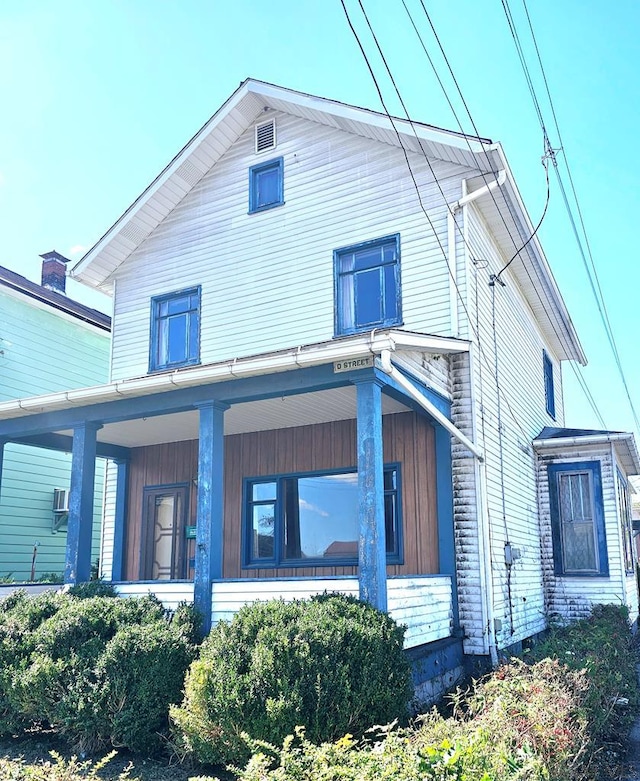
[
  {"x": 553, "y": 472},
  {"x": 339, "y": 328},
  {"x": 155, "y": 366},
  {"x": 549, "y": 388},
  {"x": 278, "y": 560},
  {"x": 625, "y": 523},
  {"x": 276, "y": 164}
]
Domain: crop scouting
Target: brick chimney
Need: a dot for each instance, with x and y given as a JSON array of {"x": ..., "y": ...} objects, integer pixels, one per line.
[{"x": 54, "y": 271}]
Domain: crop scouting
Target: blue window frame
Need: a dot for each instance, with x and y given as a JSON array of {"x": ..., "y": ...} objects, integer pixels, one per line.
[
  {"x": 367, "y": 285},
  {"x": 549, "y": 391},
  {"x": 624, "y": 514},
  {"x": 311, "y": 518},
  {"x": 577, "y": 519},
  {"x": 266, "y": 185},
  {"x": 175, "y": 330}
]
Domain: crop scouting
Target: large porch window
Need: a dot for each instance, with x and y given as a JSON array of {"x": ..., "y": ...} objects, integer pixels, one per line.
[{"x": 312, "y": 518}]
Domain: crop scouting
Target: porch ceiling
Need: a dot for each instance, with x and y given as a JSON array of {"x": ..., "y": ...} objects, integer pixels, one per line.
[{"x": 285, "y": 412}]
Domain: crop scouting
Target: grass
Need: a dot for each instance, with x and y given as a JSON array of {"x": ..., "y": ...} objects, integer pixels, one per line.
[{"x": 43, "y": 757}]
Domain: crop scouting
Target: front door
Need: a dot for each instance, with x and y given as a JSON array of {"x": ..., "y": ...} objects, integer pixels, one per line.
[{"x": 164, "y": 526}]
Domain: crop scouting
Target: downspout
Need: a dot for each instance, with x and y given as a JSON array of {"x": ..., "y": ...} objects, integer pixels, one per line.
[
  {"x": 388, "y": 368},
  {"x": 484, "y": 536},
  {"x": 451, "y": 243},
  {"x": 482, "y": 502}
]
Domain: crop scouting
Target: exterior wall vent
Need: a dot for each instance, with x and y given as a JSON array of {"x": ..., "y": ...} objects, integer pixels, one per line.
[{"x": 266, "y": 136}]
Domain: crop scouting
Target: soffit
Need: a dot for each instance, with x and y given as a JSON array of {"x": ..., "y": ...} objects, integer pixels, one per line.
[{"x": 286, "y": 412}]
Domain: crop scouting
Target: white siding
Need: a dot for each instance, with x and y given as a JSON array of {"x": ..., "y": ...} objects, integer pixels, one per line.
[
  {"x": 108, "y": 520},
  {"x": 423, "y": 604},
  {"x": 510, "y": 410},
  {"x": 170, "y": 594},
  {"x": 572, "y": 597},
  {"x": 267, "y": 278}
]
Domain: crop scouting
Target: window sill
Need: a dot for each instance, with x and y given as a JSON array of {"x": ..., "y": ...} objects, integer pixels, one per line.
[
  {"x": 266, "y": 208},
  {"x": 173, "y": 367},
  {"x": 325, "y": 563},
  {"x": 351, "y": 331}
]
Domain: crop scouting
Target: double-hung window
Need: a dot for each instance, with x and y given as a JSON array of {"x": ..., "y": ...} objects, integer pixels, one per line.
[
  {"x": 312, "y": 519},
  {"x": 367, "y": 286},
  {"x": 549, "y": 391},
  {"x": 266, "y": 185},
  {"x": 577, "y": 518},
  {"x": 175, "y": 330}
]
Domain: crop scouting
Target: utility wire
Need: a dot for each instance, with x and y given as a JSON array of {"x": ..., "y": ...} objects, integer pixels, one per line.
[
  {"x": 549, "y": 154},
  {"x": 595, "y": 286},
  {"x": 465, "y": 135},
  {"x": 408, "y": 163}
]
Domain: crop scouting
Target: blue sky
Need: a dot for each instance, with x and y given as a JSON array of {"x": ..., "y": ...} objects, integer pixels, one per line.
[{"x": 96, "y": 97}]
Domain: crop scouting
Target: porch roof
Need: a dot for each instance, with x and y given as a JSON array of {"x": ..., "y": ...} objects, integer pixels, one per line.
[
  {"x": 624, "y": 443},
  {"x": 161, "y": 407}
]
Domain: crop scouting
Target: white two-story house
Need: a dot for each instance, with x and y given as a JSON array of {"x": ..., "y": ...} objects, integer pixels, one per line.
[{"x": 327, "y": 375}]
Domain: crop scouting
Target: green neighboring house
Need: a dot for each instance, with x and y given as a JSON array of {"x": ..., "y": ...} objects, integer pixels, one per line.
[{"x": 48, "y": 343}]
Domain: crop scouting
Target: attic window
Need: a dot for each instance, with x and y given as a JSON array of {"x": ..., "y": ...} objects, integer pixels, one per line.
[{"x": 266, "y": 136}]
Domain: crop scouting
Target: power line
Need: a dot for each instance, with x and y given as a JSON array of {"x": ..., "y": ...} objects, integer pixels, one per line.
[
  {"x": 595, "y": 286},
  {"x": 549, "y": 154},
  {"x": 407, "y": 161}
]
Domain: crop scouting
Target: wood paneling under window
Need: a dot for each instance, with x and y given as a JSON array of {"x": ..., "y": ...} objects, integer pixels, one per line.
[{"x": 408, "y": 440}]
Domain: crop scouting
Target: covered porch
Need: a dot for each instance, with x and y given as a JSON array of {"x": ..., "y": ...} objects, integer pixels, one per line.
[{"x": 241, "y": 447}]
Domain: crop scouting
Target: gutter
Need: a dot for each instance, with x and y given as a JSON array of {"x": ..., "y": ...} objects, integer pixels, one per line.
[
  {"x": 451, "y": 242},
  {"x": 614, "y": 438},
  {"x": 269, "y": 363}
]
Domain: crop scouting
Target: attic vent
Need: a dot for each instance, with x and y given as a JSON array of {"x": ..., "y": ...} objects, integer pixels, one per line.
[{"x": 266, "y": 136}]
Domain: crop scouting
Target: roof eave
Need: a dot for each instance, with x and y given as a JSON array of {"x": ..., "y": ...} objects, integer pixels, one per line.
[{"x": 132, "y": 228}]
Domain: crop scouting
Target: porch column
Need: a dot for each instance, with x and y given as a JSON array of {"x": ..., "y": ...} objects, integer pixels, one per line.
[
  {"x": 122, "y": 479},
  {"x": 80, "y": 524},
  {"x": 372, "y": 557},
  {"x": 209, "y": 524}
]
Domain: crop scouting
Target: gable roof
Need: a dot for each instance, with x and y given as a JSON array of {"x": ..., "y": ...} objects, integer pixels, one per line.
[
  {"x": 244, "y": 107},
  {"x": 57, "y": 301}
]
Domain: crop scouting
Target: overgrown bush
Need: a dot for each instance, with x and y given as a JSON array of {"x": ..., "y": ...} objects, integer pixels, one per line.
[
  {"x": 600, "y": 645},
  {"x": 96, "y": 669},
  {"x": 20, "y": 617},
  {"x": 331, "y": 664},
  {"x": 539, "y": 721}
]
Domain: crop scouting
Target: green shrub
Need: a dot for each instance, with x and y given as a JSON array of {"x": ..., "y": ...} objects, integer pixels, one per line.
[
  {"x": 20, "y": 617},
  {"x": 140, "y": 673},
  {"x": 332, "y": 664},
  {"x": 93, "y": 588},
  {"x": 103, "y": 669}
]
